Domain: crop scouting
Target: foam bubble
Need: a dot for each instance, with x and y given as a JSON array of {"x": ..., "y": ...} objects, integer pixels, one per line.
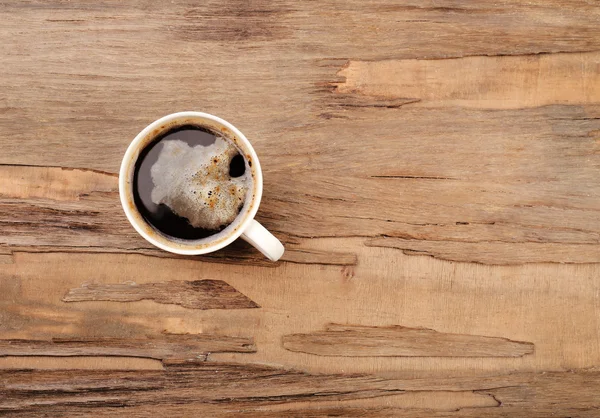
[{"x": 195, "y": 183}]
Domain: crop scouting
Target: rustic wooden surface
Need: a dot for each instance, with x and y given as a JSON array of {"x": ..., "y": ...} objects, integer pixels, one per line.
[{"x": 433, "y": 168}]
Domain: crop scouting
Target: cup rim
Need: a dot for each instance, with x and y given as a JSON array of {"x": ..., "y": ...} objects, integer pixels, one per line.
[{"x": 147, "y": 231}]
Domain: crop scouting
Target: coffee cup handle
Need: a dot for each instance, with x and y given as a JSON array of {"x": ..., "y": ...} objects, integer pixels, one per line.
[{"x": 258, "y": 236}]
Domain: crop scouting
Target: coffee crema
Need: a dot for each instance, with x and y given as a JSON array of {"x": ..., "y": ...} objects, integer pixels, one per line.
[{"x": 191, "y": 183}]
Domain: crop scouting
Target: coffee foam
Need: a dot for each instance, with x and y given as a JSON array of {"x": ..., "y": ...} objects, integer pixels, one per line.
[{"x": 194, "y": 182}]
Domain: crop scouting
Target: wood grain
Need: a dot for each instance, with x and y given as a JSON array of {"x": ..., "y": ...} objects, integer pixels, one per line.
[
  {"x": 504, "y": 200},
  {"x": 46, "y": 209},
  {"x": 465, "y": 176},
  {"x": 199, "y": 294},
  {"x": 54, "y": 183},
  {"x": 538, "y": 303},
  {"x": 254, "y": 390},
  {"x": 426, "y": 163},
  {"x": 254, "y": 45},
  {"x": 398, "y": 341},
  {"x": 168, "y": 346},
  {"x": 6, "y": 256}
]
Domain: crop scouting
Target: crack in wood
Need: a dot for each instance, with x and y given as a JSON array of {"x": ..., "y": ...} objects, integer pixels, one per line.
[
  {"x": 60, "y": 167},
  {"x": 184, "y": 347},
  {"x": 507, "y": 54},
  {"x": 387, "y": 104},
  {"x": 398, "y": 341},
  {"x": 413, "y": 177},
  {"x": 197, "y": 294},
  {"x": 292, "y": 255},
  {"x": 492, "y": 252},
  {"x": 6, "y": 256}
]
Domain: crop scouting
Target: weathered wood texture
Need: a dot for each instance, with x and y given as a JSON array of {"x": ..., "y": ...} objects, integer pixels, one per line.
[
  {"x": 221, "y": 389},
  {"x": 441, "y": 170},
  {"x": 398, "y": 341},
  {"x": 168, "y": 346},
  {"x": 199, "y": 294},
  {"x": 46, "y": 209},
  {"x": 432, "y": 164}
]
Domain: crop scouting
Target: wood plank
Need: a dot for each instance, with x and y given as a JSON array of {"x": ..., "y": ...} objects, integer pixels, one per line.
[
  {"x": 397, "y": 341},
  {"x": 81, "y": 111},
  {"x": 386, "y": 287},
  {"x": 197, "y": 294},
  {"x": 463, "y": 176},
  {"x": 505, "y": 198},
  {"x": 218, "y": 389},
  {"x": 167, "y": 346}
]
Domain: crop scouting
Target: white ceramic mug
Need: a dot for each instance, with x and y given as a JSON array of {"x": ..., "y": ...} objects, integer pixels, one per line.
[{"x": 244, "y": 224}]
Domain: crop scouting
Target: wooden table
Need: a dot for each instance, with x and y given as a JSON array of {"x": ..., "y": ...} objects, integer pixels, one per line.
[{"x": 433, "y": 168}]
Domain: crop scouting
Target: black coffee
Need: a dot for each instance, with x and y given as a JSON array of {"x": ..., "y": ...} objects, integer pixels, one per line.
[{"x": 190, "y": 183}]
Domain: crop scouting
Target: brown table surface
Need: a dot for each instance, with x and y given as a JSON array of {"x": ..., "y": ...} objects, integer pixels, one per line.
[{"x": 432, "y": 167}]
